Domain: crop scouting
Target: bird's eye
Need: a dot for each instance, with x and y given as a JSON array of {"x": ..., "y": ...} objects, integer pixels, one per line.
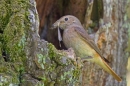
[{"x": 66, "y": 19}]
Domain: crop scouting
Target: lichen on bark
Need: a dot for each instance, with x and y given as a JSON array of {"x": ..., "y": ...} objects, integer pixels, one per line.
[{"x": 25, "y": 59}]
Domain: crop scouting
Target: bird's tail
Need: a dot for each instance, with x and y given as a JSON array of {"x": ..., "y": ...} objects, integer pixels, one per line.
[{"x": 107, "y": 68}]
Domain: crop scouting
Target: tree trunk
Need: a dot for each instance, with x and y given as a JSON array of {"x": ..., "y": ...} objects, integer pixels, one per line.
[
  {"x": 111, "y": 38},
  {"x": 25, "y": 60}
]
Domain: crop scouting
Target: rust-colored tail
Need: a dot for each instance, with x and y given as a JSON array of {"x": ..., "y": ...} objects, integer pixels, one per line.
[{"x": 107, "y": 68}]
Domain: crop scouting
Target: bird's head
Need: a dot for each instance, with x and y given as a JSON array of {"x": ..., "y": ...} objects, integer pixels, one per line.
[{"x": 65, "y": 22}]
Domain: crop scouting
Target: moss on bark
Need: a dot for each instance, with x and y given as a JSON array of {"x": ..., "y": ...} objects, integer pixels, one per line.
[
  {"x": 25, "y": 59},
  {"x": 12, "y": 40}
]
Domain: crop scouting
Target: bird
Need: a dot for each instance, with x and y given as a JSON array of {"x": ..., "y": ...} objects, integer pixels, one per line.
[{"x": 76, "y": 37}]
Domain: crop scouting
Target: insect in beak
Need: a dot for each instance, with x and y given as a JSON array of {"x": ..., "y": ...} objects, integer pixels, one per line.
[{"x": 59, "y": 35}]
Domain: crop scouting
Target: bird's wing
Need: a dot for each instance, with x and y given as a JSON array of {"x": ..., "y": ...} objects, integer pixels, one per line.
[{"x": 85, "y": 35}]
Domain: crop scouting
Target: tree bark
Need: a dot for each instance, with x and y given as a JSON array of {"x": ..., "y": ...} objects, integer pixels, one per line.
[
  {"x": 111, "y": 38},
  {"x": 25, "y": 59}
]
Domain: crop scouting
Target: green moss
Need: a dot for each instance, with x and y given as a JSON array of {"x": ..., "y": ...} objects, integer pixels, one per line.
[
  {"x": 40, "y": 84},
  {"x": 52, "y": 50},
  {"x": 41, "y": 60},
  {"x": 14, "y": 38},
  {"x": 54, "y": 54},
  {"x": 5, "y": 13},
  {"x": 59, "y": 68},
  {"x": 0, "y": 50},
  {"x": 66, "y": 69},
  {"x": 13, "y": 27},
  {"x": 8, "y": 74}
]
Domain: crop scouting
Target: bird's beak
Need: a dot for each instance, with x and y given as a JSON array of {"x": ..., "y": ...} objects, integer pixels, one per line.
[{"x": 55, "y": 25}]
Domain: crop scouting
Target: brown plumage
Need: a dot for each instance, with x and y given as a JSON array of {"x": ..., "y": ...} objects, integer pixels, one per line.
[{"x": 74, "y": 36}]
